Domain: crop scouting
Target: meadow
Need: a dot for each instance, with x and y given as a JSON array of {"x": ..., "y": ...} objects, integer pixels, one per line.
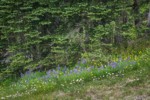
[
  {"x": 121, "y": 78},
  {"x": 74, "y": 49}
]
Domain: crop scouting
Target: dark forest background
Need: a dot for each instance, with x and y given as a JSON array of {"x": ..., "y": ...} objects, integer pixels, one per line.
[{"x": 42, "y": 34}]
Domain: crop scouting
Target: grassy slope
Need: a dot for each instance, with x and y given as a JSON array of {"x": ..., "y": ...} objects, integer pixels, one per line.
[{"x": 134, "y": 85}]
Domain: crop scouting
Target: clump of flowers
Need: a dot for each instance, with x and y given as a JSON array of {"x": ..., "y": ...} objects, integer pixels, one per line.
[{"x": 63, "y": 76}]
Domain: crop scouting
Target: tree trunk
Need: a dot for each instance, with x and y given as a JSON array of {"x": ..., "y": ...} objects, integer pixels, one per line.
[
  {"x": 136, "y": 13},
  {"x": 149, "y": 19}
]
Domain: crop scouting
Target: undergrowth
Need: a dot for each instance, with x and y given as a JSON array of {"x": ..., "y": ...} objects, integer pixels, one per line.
[{"x": 65, "y": 79}]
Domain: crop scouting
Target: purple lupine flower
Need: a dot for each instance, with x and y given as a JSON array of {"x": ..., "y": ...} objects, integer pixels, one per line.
[
  {"x": 58, "y": 67},
  {"x": 83, "y": 61},
  {"x": 48, "y": 72},
  {"x": 92, "y": 67},
  {"x": 21, "y": 74},
  {"x": 45, "y": 78},
  {"x": 78, "y": 62},
  {"x": 55, "y": 72},
  {"x": 28, "y": 72},
  {"x": 64, "y": 69},
  {"x": 113, "y": 64},
  {"x": 71, "y": 71},
  {"x": 75, "y": 71}
]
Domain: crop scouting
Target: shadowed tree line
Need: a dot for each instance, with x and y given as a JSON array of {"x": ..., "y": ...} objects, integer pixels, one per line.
[{"x": 42, "y": 34}]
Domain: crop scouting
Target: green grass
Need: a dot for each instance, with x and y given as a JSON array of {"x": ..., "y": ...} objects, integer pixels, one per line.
[
  {"x": 127, "y": 81},
  {"x": 134, "y": 85}
]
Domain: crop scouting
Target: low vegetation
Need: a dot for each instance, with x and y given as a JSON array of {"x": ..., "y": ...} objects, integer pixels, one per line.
[
  {"x": 117, "y": 79},
  {"x": 74, "y": 49}
]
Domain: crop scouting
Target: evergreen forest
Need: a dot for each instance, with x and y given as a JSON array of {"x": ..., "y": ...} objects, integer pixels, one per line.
[{"x": 74, "y": 49}]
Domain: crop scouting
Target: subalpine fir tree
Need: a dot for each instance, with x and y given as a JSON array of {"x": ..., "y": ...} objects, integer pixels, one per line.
[{"x": 51, "y": 32}]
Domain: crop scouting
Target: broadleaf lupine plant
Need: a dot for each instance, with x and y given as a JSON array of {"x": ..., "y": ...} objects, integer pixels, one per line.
[
  {"x": 63, "y": 76},
  {"x": 65, "y": 71}
]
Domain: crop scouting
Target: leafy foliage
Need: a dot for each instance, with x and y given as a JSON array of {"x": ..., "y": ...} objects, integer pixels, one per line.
[{"x": 47, "y": 33}]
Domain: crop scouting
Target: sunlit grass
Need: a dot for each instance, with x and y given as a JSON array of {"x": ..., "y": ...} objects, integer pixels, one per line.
[
  {"x": 132, "y": 86},
  {"x": 130, "y": 72}
]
